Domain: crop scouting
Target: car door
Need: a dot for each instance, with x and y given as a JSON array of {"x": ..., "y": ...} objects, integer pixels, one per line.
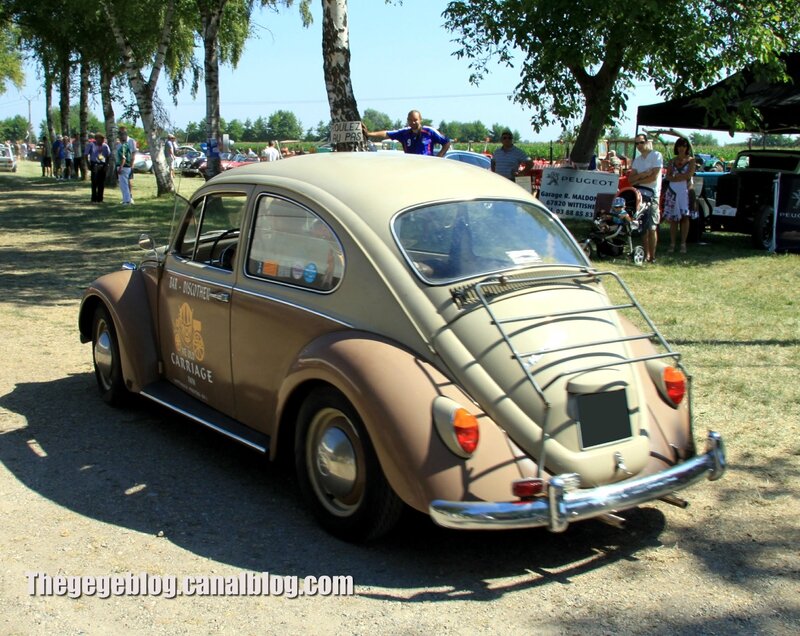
[{"x": 195, "y": 296}]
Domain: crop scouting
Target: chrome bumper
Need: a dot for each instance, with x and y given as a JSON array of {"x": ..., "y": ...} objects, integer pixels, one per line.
[{"x": 561, "y": 507}]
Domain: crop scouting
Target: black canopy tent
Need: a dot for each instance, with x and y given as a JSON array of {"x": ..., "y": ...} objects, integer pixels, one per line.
[{"x": 777, "y": 103}]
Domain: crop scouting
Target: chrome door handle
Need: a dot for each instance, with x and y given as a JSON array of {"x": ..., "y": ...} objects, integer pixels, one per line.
[{"x": 223, "y": 297}]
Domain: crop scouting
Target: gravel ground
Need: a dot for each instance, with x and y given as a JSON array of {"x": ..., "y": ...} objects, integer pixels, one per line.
[{"x": 87, "y": 490}]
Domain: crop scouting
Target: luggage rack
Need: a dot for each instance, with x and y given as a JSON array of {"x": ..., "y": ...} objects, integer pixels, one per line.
[
  {"x": 490, "y": 288},
  {"x": 484, "y": 291}
]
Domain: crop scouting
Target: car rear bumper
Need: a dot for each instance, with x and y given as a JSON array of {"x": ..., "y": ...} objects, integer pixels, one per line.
[{"x": 561, "y": 506}]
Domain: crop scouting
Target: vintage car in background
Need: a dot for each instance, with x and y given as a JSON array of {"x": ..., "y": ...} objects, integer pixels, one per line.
[
  {"x": 708, "y": 163},
  {"x": 8, "y": 162},
  {"x": 745, "y": 197},
  {"x": 142, "y": 162},
  {"x": 467, "y": 156},
  {"x": 445, "y": 347}
]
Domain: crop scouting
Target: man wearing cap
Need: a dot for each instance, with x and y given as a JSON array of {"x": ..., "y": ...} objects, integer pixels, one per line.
[{"x": 507, "y": 159}]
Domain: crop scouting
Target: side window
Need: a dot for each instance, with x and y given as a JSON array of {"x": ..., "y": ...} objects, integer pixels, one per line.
[
  {"x": 292, "y": 245},
  {"x": 211, "y": 229}
]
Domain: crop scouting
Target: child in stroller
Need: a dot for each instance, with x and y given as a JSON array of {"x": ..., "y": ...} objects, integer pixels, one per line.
[{"x": 612, "y": 233}]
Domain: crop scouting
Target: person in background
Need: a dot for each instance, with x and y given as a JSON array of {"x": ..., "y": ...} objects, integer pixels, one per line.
[
  {"x": 677, "y": 208},
  {"x": 271, "y": 152},
  {"x": 124, "y": 170},
  {"x": 612, "y": 162},
  {"x": 98, "y": 154},
  {"x": 645, "y": 176},
  {"x": 416, "y": 138},
  {"x": 131, "y": 142},
  {"x": 169, "y": 154},
  {"x": 58, "y": 157},
  {"x": 46, "y": 159},
  {"x": 69, "y": 155},
  {"x": 507, "y": 159}
]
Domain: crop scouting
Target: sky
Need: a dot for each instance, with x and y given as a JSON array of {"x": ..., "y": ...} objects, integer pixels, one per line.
[{"x": 401, "y": 59}]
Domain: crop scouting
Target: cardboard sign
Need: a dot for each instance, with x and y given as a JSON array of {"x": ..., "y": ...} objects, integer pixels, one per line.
[
  {"x": 346, "y": 132},
  {"x": 574, "y": 193}
]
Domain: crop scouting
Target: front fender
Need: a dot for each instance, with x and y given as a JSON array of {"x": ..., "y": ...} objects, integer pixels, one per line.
[
  {"x": 393, "y": 391},
  {"x": 124, "y": 294}
]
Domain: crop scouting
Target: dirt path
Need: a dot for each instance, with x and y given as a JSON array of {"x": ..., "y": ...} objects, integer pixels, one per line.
[{"x": 86, "y": 490}]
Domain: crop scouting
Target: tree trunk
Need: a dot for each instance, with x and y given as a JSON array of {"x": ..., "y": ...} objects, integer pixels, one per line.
[
  {"x": 48, "y": 107},
  {"x": 63, "y": 102},
  {"x": 336, "y": 64},
  {"x": 83, "y": 114},
  {"x": 144, "y": 90},
  {"x": 211, "y": 24},
  {"x": 109, "y": 122}
]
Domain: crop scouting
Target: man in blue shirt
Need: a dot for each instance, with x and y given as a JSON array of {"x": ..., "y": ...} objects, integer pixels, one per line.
[{"x": 416, "y": 138}]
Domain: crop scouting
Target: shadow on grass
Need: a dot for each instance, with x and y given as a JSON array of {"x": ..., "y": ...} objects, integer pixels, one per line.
[{"x": 66, "y": 241}]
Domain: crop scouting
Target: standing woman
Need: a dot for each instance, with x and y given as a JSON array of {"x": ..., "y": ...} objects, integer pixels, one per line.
[
  {"x": 98, "y": 154},
  {"x": 676, "y": 199}
]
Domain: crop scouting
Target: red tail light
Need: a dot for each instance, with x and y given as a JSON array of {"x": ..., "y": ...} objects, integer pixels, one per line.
[
  {"x": 465, "y": 426},
  {"x": 675, "y": 381},
  {"x": 528, "y": 488}
]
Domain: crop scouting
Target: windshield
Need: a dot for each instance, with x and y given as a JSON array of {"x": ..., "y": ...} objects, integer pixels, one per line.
[{"x": 449, "y": 241}]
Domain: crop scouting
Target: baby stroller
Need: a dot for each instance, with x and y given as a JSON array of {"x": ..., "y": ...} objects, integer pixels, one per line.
[{"x": 612, "y": 232}]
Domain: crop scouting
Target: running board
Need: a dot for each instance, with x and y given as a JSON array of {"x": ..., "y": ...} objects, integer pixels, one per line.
[{"x": 172, "y": 398}]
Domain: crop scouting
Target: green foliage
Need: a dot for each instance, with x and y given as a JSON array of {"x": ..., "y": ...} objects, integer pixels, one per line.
[
  {"x": 702, "y": 139},
  {"x": 14, "y": 129},
  {"x": 10, "y": 57},
  {"x": 283, "y": 124},
  {"x": 575, "y": 68},
  {"x": 376, "y": 120}
]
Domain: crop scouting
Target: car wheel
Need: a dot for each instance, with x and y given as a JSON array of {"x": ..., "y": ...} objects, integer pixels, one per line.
[
  {"x": 638, "y": 255},
  {"x": 338, "y": 472},
  {"x": 762, "y": 228},
  {"x": 105, "y": 353}
]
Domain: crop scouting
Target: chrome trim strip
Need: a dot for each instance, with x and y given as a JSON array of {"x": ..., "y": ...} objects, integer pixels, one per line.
[
  {"x": 253, "y": 294},
  {"x": 562, "y": 507},
  {"x": 206, "y": 423}
]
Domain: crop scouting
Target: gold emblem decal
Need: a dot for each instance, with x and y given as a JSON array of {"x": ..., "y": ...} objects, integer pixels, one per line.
[{"x": 188, "y": 339}]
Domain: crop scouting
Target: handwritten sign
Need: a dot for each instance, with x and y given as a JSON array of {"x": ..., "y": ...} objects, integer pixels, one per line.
[{"x": 346, "y": 132}]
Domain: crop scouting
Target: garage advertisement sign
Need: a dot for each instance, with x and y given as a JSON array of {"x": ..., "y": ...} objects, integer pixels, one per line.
[{"x": 573, "y": 193}]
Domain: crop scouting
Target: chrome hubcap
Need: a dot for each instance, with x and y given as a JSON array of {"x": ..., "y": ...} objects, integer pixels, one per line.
[
  {"x": 103, "y": 355},
  {"x": 335, "y": 462}
]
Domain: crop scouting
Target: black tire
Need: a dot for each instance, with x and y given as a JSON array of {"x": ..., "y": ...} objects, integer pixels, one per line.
[
  {"x": 762, "y": 228},
  {"x": 352, "y": 499},
  {"x": 105, "y": 354}
]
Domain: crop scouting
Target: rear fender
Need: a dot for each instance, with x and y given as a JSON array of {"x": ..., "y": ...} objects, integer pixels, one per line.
[
  {"x": 124, "y": 294},
  {"x": 393, "y": 392},
  {"x": 671, "y": 438}
]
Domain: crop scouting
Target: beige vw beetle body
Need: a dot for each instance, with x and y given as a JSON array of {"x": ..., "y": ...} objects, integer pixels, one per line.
[{"x": 413, "y": 332}]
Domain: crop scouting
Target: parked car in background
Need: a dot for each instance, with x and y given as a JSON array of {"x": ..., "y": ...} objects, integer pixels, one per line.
[
  {"x": 142, "y": 162},
  {"x": 708, "y": 163},
  {"x": 745, "y": 197},
  {"x": 8, "y": 163},
  {"x": 446, "y": 346},
  {"x": 472, "y": 158}
]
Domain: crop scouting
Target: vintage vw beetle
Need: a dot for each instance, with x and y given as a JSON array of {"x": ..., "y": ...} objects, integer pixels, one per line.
[{"x": 412, "y": 332}]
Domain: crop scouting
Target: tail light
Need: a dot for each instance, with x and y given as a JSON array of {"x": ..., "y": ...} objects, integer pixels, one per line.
[
  {"x": 675, "y": 382},
  {"x": 465, "y": 425},
  {"x": 670, "y": 381},
  {"x": 528, "y": 488},
  {"x": 457, "y": 427}
]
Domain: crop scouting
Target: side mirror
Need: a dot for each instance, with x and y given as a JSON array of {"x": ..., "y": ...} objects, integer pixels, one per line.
[{"x": 146, "y": 242}]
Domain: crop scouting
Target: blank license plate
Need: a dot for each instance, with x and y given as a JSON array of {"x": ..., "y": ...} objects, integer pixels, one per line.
[{"x": 603, "y": 418}]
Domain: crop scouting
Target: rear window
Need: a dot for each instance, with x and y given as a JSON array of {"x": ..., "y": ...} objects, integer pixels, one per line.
[
  {"x": 779, "y": 163},
  {"x": 449, "y": 241}
]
